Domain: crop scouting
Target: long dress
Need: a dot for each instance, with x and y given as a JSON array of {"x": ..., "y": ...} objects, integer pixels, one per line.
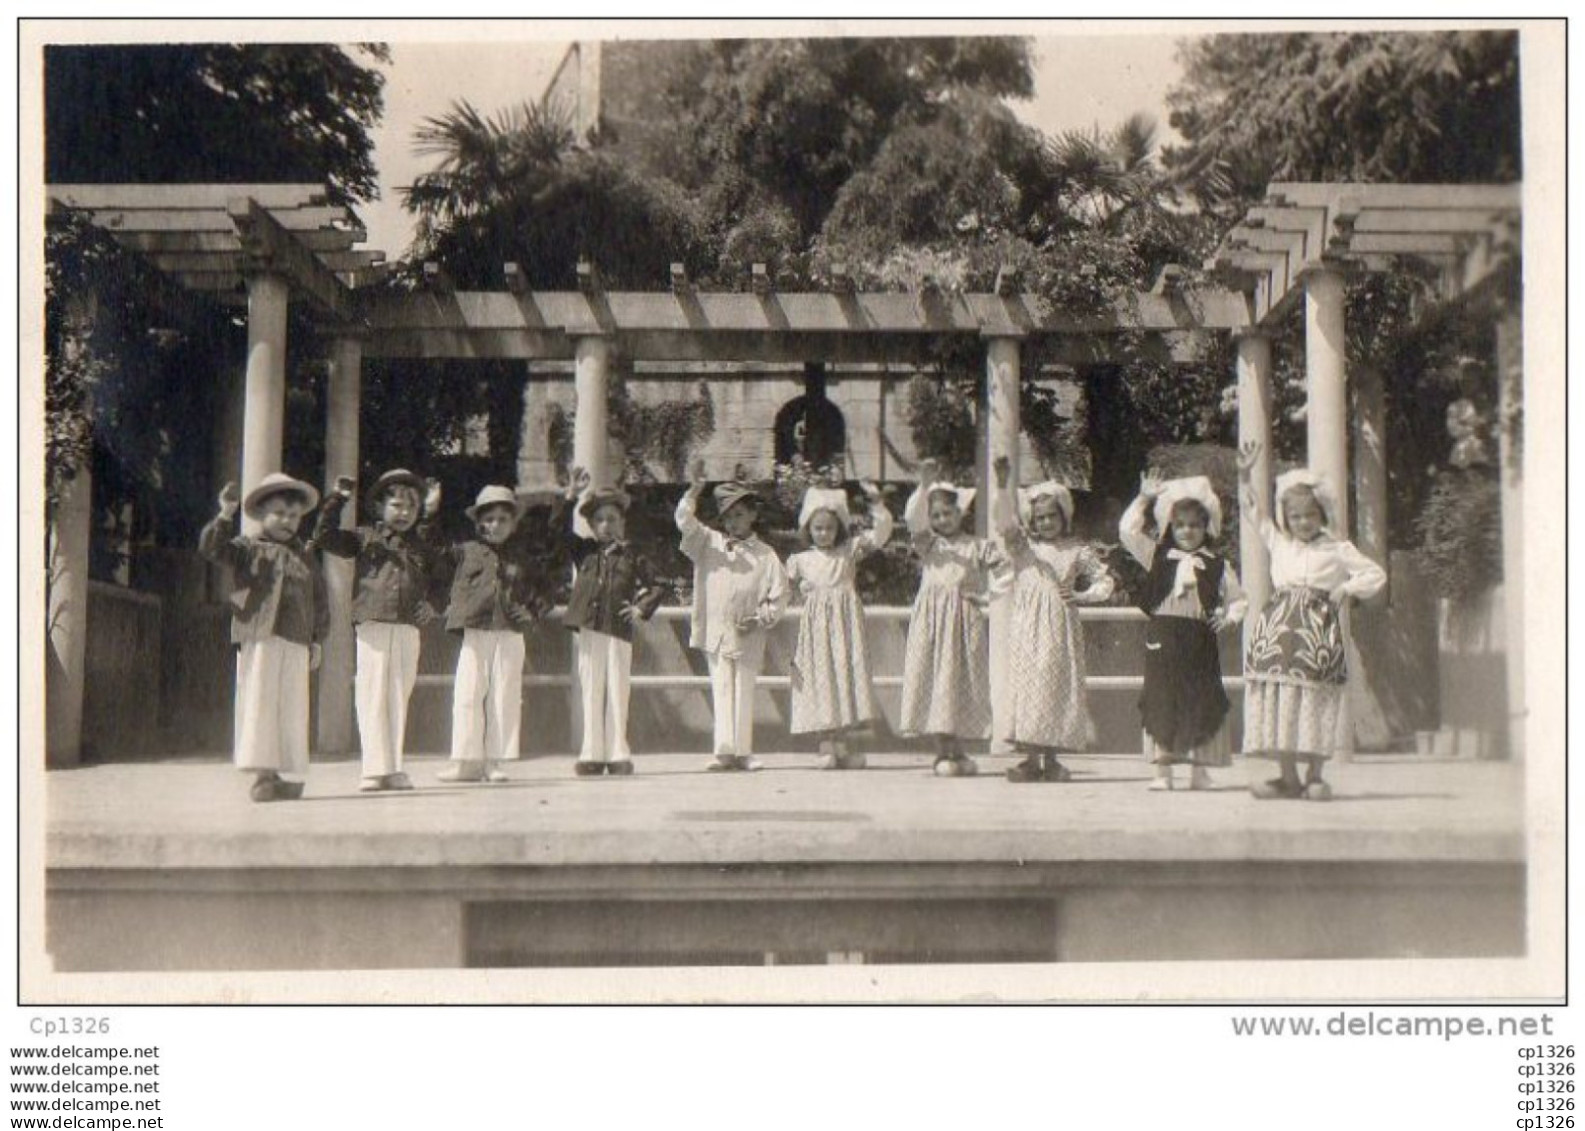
[
  {"x": 1045, "y": 701},
  {"x": 1295, "y": 670},
  {"x": 1183, "y": 706},
  {"x": 831, "y": 688},
  {"x": 946, "y": 668}
]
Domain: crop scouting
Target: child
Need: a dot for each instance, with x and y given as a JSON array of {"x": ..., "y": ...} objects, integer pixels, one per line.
[
  {"x": 946, "y": 672},
  {"x": 1295, "y": 703},
  {"x": 1046, "y": 710},
  {"x": 831, "y": 693},
  {"x": 389, "y": 603},
  {"x": 278, "y": 618},
  {"x": 1191, "y": 595},
  {"x": 612, "y": 591},
  {"x": 739, "y": 591},
  {"x": 496, "y": 593}
]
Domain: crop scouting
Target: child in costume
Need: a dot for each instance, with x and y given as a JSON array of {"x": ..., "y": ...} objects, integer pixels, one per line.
[
  {"x": 1295, "y": 667},
  {"x": 278, "y": 617},
  {"x": 739, "y": 591},
  {"x": 946, "y": 667},
  {"x": 1046, "y": 712},
  {"x": 1191, "y": 596},
  {"x": 831, "y": 692},
  {"x": 390, "y": 601},
  {"x": 612, "y": 590}
]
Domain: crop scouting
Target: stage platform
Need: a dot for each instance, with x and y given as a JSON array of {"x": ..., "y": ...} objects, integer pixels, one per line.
[{"x": 168, "y": 866}]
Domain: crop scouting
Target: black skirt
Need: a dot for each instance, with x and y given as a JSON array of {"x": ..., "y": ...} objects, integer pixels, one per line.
[{"x": 1183, "y": 704}]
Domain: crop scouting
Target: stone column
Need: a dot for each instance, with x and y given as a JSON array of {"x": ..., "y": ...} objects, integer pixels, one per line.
[
  {"x": 1000, "y": 438},
  {"x": 1510, "y": 404},
  {"x": 591, "y": 376},
  {"x": 1254, "y": 425},
  {"x": 264, "y": 405},
  {"x": 1325, "y": 361},
  {"x": 342, "y": 397}
]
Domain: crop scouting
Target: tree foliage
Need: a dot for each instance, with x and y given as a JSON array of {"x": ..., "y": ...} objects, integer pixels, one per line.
[{"x": 213, "y": 113}]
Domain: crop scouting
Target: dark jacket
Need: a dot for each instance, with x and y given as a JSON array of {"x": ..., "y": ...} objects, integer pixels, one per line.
[
  {"x": 494, "y": 587},
  {"x": 1163, "y": 569},
  {"x": 608, "y": 577},
  {"x": 391, "y": 568},
  {"x": 277, "y": 588}
]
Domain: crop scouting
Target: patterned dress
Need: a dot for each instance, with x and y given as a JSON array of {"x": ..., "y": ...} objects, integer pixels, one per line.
[
  {"x": 831, "y": 667},
  {"x": 1045, "y": 666},
  {"x": 946, "y": 668},
  {"x": 1295, "y": 668}
]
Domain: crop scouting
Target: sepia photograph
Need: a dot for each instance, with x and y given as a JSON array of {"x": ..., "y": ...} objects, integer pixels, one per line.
[{"x": 779, "y": 512}]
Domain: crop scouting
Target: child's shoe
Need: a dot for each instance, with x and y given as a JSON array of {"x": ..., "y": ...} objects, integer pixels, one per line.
[
  {"x": 373, "y": 784},
  {"x": 750, "y": 764},
  {"x": 1055, "y": 771},
  {"x": 622, "y": 769},
  {"x": 1200, "y": 778},
  {"x": 723, "y": 764},
  {"x": 1028, "y": 770},
  {"x": 829, "y": 758},
  {"x": 588, "y": 769},
  {"x": 263, "y": 788},
  {"x": 956, "y": 766},
  {"x": 1162, "y": 782},
  {"x": 288, "y": 790},
  {"x": 1317, "y": 791},
  {"x": 851, "y": 760},
  {"x": 398, "y": 782},
  {"x": 1277, "y": 789},
  {"x": 493, "y": 775},
  {"x": 462, "y": 772}
]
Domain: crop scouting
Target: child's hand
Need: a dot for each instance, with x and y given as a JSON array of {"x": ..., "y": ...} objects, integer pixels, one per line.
[
  {"x": 1248, "y": 453},
  {"x": 930, "y": 471},
  {"x": 1339, "y": 594},
  {"x": 630, "y": 613},
  {"x": 1004, "y": 470},
  {"x": 696, "y": 476},
  {"x": 230, "y": 499},
  {"x": 749, "y": 623},
  {"x": 424, "y": 614},
  {"x": 870, "y": 489},
  {"x": 1150, "y": 484},
  {"x": 315, "y": 654},
  {"x": 1065, "y": 591},
  {"x": 431, "y": 496},
  {"x": 581, "y": 479},
  {"x": 1218, "y": 620},
  {"x": 344, "y": 487}
]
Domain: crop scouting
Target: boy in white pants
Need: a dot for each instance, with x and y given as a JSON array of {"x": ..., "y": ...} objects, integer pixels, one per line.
[
  {"x": 497, "y": 591},
  {"x": 278, "y": 617},
  {"x": 390, "y": 601},
  {"x": 612, "y": 591},
  {"x": 739, "y": 591}
]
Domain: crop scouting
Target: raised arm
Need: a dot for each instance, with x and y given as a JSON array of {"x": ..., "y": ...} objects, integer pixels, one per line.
[
  {"x": 695, "y": 535},
  {"x": 219, "y": 541},
  {"x": 1131, "y": 529},
  {"x": 1249, "y": 498},
  {"x": 328, "y": 534},
  {"x": 881, "y": 523}
]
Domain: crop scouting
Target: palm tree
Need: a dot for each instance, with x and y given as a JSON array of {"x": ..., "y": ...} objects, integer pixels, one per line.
[{"x": 1106, "y": 177}]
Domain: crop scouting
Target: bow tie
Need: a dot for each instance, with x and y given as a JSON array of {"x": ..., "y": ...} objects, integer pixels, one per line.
[
  {"x": 733, "y": 545},
  {"x": 613, "y": 547},
  {"x": 1190, "y": 562}
]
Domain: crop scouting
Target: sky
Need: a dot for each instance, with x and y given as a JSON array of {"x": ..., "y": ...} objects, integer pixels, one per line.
[{"x": 1080, "y": 82}]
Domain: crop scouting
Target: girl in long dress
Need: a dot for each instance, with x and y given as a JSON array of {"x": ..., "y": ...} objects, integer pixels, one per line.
[
  {"x": 946, "y": 669},
  {"x": 831, "y": 692},
  {"x": 1045, "y": 711},
  {"x": 1295, "y": 671}
]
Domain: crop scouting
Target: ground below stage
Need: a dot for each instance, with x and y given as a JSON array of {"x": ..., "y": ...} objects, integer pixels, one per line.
[{"x": 169, "y": 866}]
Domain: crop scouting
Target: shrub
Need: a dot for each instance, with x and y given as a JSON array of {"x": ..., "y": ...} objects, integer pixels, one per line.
[{"x": 1460, "y": 534}]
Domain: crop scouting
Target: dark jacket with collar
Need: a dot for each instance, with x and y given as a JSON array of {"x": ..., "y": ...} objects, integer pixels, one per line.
[
  {"x": 608, "y": 577},
  {"x": 1164, "y": 570},
  {"x": 391, "y": 568},
  {"x": 277, "y": 588},
  {"x": 495, "y": 587}
]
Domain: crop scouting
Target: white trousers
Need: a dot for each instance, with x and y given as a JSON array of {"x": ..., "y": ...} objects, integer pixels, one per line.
[
  {"x": 387, "y": 671},
  {"x": 605, "y": 676},
  {"x": 487, "y": 704},
  {"x": 272, "y": 706},
  {"x": 732, "y": 681}
]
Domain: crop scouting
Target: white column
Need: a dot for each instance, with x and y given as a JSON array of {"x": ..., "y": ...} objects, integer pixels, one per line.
[
  {"x": 1000, "y": 434},
  {"x": 1254, "y": 426},
  {"x": 342, "y": 396},
  {"x": 1510, "y": 401},
  {"x": 1325, "y": 361},
  {"x": 264, "y": 405},
  {"x": 67, "y": 568},
  {"x": 592, "y": 366}
]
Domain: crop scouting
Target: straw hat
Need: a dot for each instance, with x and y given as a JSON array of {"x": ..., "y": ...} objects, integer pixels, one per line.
[
  {"x": 1318, "y": 484},
  {"x": 275, "y": 483},
  {"x": 1050, "y": 489},
  {"x": 397, "y": 477},
  {"x": 1195, "y": 487},
  {"x": 494, "y": 495},
  {"x": 729, "y": 495}
]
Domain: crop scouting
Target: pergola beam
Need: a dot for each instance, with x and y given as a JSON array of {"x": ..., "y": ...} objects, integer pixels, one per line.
[
  {"x": 185, "y": 197},
  {"x": 216, "y": 220},
  {"x": 272, "y": 247}
]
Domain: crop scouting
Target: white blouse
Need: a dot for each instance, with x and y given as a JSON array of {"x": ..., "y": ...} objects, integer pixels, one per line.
[
  {"x": 1326, "y": 563},
  {"x": 733, "y": 579},
  {"x": 815, "y": 568}
]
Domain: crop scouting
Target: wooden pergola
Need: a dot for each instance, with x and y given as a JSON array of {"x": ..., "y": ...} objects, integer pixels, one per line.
[{"x": 267, "y": 245}]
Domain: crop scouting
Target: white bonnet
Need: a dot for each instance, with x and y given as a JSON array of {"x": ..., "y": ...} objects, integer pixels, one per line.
[
  {"x": 964, "y": 495},
  {"x": 833, "y": 499},
  {"x": 1049, "y": 489},
  {"x": 1196, "y": 487},
  {"x": 1317, "y": 483}
]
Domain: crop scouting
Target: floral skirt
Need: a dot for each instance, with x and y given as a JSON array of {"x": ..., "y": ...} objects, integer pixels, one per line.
[
  {"x": 831, "y": 666},
  {"x": 1295, "y": 698},
  {"x": 946, "y": 669}
]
